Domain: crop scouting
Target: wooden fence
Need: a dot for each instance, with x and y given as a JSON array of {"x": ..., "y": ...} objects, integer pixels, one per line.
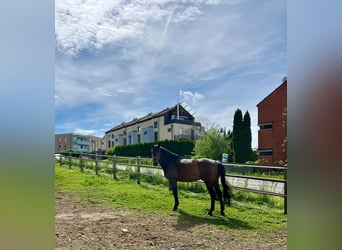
[{"x": 144, "y": 166}]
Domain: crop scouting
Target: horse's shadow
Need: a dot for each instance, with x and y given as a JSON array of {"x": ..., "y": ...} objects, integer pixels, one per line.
[{"x": 187, "y": 221}]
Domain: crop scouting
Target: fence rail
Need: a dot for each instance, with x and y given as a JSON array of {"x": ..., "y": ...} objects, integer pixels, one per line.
[{"x": 119, "y": 163}]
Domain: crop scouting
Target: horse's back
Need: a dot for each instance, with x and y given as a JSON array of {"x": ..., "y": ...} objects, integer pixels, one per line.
[
  {"x": 191, "y": 170},
  {"x": 208, "y": 169},
  {"x": 188, "y": 170},
  {"x": 207, "y": 161}
]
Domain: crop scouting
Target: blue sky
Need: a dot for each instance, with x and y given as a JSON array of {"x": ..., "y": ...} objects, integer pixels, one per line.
[{"x": 116, "y": 60}]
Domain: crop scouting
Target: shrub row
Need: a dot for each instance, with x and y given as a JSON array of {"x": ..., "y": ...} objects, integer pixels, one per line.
[{"x": 181, "y": 147}]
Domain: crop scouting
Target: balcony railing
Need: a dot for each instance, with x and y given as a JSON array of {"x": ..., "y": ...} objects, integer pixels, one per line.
[
  {"x": 186, "y": 137},
  {"x": 79, "y": 142},
  {"x": 187, "y": 122}
]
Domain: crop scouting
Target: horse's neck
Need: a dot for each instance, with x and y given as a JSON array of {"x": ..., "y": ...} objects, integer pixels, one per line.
[
  {"x": 167, "y": 159},
  {"x": 163, "y": 159}
]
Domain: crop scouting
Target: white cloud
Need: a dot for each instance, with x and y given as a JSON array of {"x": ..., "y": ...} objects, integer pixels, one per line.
[
  {"x": 189, "y": 13},
  {"x": 91, "y": 25},
  {"x": 83, "y": 131},
  {"x": 188, "y": 95}
]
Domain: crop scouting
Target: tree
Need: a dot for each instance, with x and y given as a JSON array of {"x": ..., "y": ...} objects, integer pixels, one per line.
[
  {"x": 246, "y": 138},
  {"x": 230, "y": 151},
  {"x": 242, "y": 137},
  {"x": 237, "y": 140},
  {"x": 211, "y": 145}
]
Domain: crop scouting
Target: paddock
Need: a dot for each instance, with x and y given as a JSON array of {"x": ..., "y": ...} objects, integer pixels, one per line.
[
  {"x": 95, "y": 212},
  {"x": 95, "y": 227}
]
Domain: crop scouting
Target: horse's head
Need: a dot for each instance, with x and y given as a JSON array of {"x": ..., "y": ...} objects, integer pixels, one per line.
[{"x": 155, "y": 154}]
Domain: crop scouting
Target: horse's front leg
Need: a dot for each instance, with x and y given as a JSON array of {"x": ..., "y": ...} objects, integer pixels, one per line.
[{"x": 173, "y": 183}]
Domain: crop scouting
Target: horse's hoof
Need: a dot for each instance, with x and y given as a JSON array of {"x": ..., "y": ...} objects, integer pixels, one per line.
[
  {"x": 174, "y": 209},
  {"x": 222, "y": 213},
  {"x": 210, "y": 213}
]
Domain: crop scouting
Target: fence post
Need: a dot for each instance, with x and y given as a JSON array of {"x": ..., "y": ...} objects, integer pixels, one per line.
[
  {"x": 81, "y": 162},
  {"x": 285, "y": 188},
  {"x": 96, "y": 165},
  {"x": 114, "y": 167},
  {"x": 138, "y": 169},
  {"x": 70, "y": 160}
]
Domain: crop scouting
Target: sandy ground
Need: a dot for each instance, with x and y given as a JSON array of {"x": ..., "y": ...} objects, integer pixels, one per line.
[{"x": 96, "y": 227}]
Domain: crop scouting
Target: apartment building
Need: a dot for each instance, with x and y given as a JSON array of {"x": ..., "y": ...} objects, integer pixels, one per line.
[
  {"x": 77, "y": 142},
  {"x": 172, "y": 123},
  {"x": 272, "y": 125}
]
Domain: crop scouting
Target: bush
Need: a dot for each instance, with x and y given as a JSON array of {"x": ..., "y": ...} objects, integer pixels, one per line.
[
  {"x": 211, "y": 145},
  {"x": 181, "y": 147}
]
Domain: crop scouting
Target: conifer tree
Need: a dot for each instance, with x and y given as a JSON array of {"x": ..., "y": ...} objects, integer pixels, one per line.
[
  {"x": 237, "y": 136},
  {"x": 246, "y": 138},
  {"x": 242, "y": 137}
]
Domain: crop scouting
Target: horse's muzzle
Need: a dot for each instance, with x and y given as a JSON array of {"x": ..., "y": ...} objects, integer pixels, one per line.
[{"x": 155, "y": 161}]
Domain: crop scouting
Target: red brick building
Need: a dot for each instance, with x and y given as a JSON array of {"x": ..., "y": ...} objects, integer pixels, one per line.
[{"x": 272, "y": 119}]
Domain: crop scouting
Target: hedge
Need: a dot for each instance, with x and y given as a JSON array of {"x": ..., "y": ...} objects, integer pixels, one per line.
[{"x": 181, "y": 147}]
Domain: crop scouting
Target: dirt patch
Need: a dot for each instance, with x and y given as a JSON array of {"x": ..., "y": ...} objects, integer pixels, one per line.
[{"x": 95, "y": 227}]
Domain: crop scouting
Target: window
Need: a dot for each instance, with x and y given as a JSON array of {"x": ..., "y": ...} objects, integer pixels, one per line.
[
  {"x": 267, "y": 152},
  {"x": 265, "y": 126},
  {"x": 155, "y": 124},
  {"x": 155, "y": 136},
  {"x": 169, "y": 129}
]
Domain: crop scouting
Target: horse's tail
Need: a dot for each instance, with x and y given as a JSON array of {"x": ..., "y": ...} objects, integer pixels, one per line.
[{"x": 227, "y": 191}]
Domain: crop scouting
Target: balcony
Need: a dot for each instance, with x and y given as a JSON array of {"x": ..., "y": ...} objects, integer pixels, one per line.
[
  {"x": 179, "y": 121},
  {"x": 186, "y": 137},
  {"x": 84, "y": 143}
]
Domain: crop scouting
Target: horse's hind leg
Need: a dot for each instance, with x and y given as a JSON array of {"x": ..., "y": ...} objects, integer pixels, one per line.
[
  {"x": 212, "y": 198},
  {"x": 175, "y": 193},
  {"x": 219, "y": 194}
]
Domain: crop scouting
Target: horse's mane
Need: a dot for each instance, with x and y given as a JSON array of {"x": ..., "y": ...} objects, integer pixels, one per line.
[{"x": 172, "y": 156}]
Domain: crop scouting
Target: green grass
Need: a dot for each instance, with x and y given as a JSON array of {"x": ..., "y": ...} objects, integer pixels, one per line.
[
  {"x": 157, "y": 199},
  {"x": 271, "y": 175}
]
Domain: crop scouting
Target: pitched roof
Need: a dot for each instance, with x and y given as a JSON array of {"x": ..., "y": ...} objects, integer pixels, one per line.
[
  {"x": 283, "y": 83},
  {"x": 149, "y": 116}
]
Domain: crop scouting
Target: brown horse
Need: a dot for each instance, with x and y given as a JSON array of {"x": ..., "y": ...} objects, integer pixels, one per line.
[{"x": 175, "y": 169}]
